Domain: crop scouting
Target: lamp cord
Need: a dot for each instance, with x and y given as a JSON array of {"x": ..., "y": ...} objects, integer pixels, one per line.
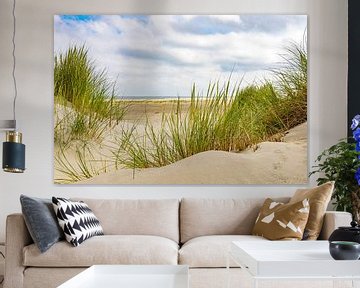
[
  {"x": 14, "y": 60},
  {"x": 2, "y": 280}
]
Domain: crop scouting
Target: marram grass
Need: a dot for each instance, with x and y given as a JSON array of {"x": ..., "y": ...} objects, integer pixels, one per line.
[
  {"x": 84, "y": 98},
  {"x": 82, "y": 167},
  {"x": 228, "y": 117}
]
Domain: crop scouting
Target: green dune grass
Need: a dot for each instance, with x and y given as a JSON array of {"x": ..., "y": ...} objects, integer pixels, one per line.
[
  {"x": 228, "y": 117},
  {"x": 88, "y": 94}
]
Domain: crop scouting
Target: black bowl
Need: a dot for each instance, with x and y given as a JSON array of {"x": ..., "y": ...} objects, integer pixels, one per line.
[{"x": 344, "y": 250}]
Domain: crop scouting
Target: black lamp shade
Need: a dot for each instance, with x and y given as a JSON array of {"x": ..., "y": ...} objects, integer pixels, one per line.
[{"x": 13, "y": 157}]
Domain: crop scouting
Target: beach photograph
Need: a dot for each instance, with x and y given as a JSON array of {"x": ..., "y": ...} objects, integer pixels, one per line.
[{"x": 180, "y": 99}]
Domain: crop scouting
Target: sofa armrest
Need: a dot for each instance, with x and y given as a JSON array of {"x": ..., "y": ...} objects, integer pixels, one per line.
[
  {"x": 17, "y": 237},
  {"x": 333, "y": 220}
]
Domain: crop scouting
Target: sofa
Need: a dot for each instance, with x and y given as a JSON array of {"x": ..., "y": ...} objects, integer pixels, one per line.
[{"x": 194, "y": 232}]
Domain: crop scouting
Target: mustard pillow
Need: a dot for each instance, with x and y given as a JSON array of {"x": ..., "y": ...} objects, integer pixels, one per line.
[
  {"x": 279, "y": 221},
  {"x": 319, "y": 198}
]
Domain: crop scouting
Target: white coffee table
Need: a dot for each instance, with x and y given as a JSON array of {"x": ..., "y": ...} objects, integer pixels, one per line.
[
  {"x": 297, "y": 260},
  {"x": 131, "y": 276}
]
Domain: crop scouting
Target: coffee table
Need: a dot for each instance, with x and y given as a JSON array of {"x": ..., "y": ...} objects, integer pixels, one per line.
[
  {"x": 292, "y": 260},
  {"x": 131, "y": 276}
]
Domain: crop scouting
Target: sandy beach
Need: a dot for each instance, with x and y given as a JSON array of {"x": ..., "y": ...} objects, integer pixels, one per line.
[
  {"x": 268, "y": 163},
  {"x": 281, "y": 162},
  {"x": 138, "y": 112}
]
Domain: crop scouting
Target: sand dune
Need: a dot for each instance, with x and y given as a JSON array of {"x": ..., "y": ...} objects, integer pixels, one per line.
[{"x": 269, "y": 163}]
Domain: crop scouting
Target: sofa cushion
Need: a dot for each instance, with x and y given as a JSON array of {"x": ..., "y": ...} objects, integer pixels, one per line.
[
  {"x": 107, "y": 249},
  {"x": 158, "y": 217},
  {"x": 319, "y": 198},
  {"x": 279, "y": 221},
  {"x": 41, "y": 221},
  {"x": 211, "y": 251},
  {"x": 77, "y": 220},
  {"x": 201, "y": 217}
]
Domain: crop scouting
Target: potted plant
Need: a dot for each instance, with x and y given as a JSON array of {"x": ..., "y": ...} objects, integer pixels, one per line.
[{"x": 341, "y": 163}]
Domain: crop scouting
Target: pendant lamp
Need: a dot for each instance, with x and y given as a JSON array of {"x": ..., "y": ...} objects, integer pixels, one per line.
[{"x": 13, "y": 159}]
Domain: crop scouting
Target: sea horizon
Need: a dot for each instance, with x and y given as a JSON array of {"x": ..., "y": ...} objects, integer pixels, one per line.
[{"x": 152, "y": 97}]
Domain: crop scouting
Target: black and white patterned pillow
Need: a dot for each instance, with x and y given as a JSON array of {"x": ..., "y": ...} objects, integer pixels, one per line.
[{"x": 77, "y": 220}]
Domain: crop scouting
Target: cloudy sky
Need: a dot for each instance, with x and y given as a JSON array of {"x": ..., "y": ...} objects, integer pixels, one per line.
[{"x": 163, "y": 55}]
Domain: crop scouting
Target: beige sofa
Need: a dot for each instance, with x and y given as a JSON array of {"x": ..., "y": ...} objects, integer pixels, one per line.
[{"x": 194, "y": 232}]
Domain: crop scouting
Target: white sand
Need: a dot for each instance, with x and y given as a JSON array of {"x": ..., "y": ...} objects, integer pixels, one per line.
[{"x": 271, "y": 163}]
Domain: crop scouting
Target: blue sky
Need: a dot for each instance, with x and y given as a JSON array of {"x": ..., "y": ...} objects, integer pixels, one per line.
[{"x": 163, "y": 55}]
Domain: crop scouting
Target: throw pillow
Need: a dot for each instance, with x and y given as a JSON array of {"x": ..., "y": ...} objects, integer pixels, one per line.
[
  {"x": 41, "y": 222},
  {"x": 319, "y": 198},
  {"x": 77, "y": 220},
  {"x": 279, "y": 221}
]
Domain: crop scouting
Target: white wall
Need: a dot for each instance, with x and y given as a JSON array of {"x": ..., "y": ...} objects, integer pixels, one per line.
[{"x": 327, "y": 94}]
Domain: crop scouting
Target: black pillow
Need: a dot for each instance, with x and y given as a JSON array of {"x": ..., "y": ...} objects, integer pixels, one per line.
[{"x": 41, "y": 221}]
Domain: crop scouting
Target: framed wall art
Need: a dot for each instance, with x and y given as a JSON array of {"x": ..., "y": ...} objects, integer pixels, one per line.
[{"x": 180, "y": 99}]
